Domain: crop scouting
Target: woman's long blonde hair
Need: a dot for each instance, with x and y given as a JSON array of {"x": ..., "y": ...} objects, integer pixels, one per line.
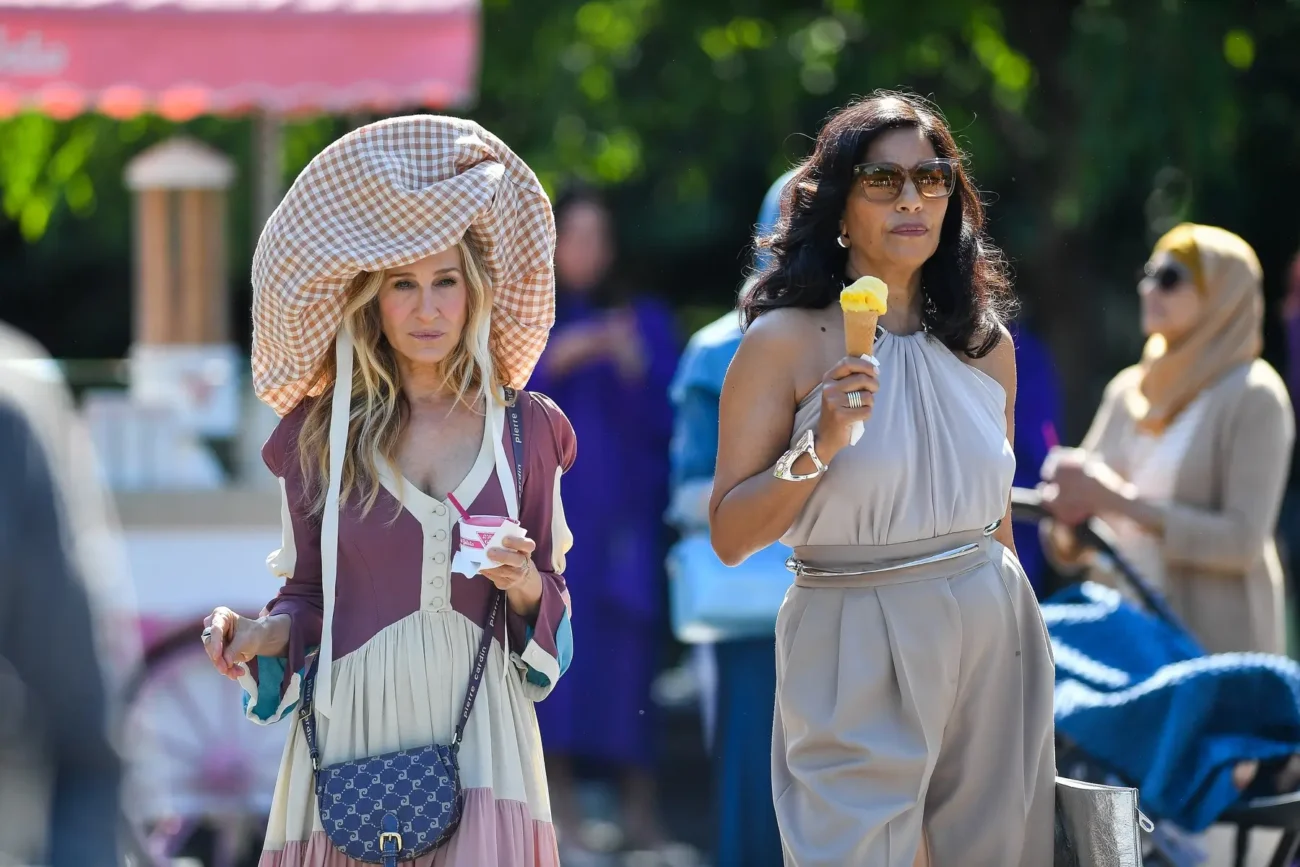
[{"x": 379, "y": 410}]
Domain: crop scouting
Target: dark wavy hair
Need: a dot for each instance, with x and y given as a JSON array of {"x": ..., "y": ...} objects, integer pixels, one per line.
[{"x": 965, "y": 283}]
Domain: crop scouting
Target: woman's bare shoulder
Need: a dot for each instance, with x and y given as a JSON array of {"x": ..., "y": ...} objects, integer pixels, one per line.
[
  {"x": 780, "y": 337},
  {"x": 785, "y": 325},
  {"x": 999, "y": 363},
  {"x": 779, "y": 354}
]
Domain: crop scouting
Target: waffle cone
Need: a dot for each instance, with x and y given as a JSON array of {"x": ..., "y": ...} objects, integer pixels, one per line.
[{"x": 860, "y": 332}]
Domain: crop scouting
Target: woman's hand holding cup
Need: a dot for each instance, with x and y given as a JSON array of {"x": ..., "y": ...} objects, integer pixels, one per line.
[{"x": 516, "y": 574}]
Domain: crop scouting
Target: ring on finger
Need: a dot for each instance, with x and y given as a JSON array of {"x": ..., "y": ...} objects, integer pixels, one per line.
[
  {"x": 855, "y": 399},
  {"x": 207, "y": 633}
]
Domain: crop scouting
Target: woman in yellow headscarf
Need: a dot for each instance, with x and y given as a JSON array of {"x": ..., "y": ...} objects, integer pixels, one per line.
[{"x": 1187, "y": 456}]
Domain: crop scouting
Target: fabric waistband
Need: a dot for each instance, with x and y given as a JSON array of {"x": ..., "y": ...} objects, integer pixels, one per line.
[{"x": 845, "y": 566}]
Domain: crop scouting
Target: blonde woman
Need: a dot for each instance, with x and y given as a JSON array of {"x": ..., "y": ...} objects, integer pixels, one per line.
[
  {"x": 426, "y": 246},
  {"x": 1187, "y": 456}
]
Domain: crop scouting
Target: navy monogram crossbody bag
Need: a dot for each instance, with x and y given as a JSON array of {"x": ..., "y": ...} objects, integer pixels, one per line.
[{"x": 403, "y": 804}]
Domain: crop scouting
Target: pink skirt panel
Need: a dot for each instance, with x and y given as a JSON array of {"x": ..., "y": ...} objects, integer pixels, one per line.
[{"x": 501, "y": 833}]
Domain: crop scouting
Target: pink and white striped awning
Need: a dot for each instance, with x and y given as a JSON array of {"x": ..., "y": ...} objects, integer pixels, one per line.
[{"x": 183, "y": 58}]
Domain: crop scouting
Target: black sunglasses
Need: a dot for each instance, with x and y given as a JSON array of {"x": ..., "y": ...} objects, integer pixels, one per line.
[
  {"x": 884, "y": 182},
  {"x": 1167, "y": 277}
]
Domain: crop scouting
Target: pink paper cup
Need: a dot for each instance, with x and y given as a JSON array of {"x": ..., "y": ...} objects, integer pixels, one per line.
[{"x": 477, "y": 530}]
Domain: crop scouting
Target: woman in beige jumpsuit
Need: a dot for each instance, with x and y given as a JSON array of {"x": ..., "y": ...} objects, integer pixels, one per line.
[{"x": 914, "y": 692}]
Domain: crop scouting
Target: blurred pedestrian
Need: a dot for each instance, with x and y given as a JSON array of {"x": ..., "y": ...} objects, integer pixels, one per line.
[
  {"x": 608, "y": 364},
  {"x": 1187, "y": 456},
  {"x": 391, "y": 343},
  {"x": 914, "y": 678},
  {"x": 59, "y": 766},
  {"x": 746, "y": 833}
]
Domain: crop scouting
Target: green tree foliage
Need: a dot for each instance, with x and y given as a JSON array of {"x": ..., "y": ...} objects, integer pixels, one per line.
[{"x": 1093, "y": 124}]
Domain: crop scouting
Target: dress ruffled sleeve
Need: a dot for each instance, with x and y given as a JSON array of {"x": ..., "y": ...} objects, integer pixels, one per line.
[
  {"x": 272, "y": 684},
  {"x": 547, "y": 641}
]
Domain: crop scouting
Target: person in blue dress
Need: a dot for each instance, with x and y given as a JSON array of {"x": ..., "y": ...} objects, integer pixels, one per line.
[{"x": 746, "y": 831}]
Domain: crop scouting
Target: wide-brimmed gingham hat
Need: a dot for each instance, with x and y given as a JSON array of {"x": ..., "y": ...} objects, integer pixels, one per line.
[{"x": 389, "y": 194}]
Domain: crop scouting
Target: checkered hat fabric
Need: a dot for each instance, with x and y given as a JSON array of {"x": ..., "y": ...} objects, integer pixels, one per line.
[{"x": 389, "y": 194}]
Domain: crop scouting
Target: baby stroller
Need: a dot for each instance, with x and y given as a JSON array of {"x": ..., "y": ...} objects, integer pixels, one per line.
[{"x": 1106, "y": 715}]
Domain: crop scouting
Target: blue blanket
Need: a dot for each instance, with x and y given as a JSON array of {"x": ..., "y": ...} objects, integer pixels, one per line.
[{"x": 1140, "y": 697}]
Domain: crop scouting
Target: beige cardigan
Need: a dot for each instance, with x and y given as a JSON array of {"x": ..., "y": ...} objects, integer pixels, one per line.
[{"x": 1223, "y": 574}]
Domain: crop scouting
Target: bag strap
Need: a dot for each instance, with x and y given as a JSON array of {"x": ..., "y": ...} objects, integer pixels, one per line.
[
  {"x": 480, "y": 664},
  {"x": 480, "y": 661},
  {"x": 489, "y": 630},
  {"x": 516, "y": 440},
  {"x": 305, "y": 716}
]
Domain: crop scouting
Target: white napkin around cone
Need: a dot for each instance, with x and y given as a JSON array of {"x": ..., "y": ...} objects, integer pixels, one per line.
[{"x": 856, "y": 429}]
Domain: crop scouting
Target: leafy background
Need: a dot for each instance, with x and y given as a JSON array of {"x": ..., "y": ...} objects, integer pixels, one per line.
[{"x": 1092, "y": 125}]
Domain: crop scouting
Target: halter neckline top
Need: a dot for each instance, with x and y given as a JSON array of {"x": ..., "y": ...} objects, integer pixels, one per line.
[{"x": 933, "y": 459}]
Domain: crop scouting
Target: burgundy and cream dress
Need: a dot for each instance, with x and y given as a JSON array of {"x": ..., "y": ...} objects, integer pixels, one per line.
[{"x": 404, "y": 633}]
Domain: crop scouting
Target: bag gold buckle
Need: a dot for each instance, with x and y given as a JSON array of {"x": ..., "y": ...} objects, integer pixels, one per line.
[{"x": 385, "y": 836}]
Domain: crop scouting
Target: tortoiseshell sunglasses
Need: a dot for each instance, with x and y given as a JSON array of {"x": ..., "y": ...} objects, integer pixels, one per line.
[{"x": 884, "y": 182}]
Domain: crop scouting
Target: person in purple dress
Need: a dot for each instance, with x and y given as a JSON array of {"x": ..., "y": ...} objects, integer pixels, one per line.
[
  {"x": 609, "y": 364},
  {"x": 1038, "y": 417}
]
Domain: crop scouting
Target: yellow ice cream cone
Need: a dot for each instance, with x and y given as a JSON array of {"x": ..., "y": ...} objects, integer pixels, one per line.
[{"x": 863, "y": 304}]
